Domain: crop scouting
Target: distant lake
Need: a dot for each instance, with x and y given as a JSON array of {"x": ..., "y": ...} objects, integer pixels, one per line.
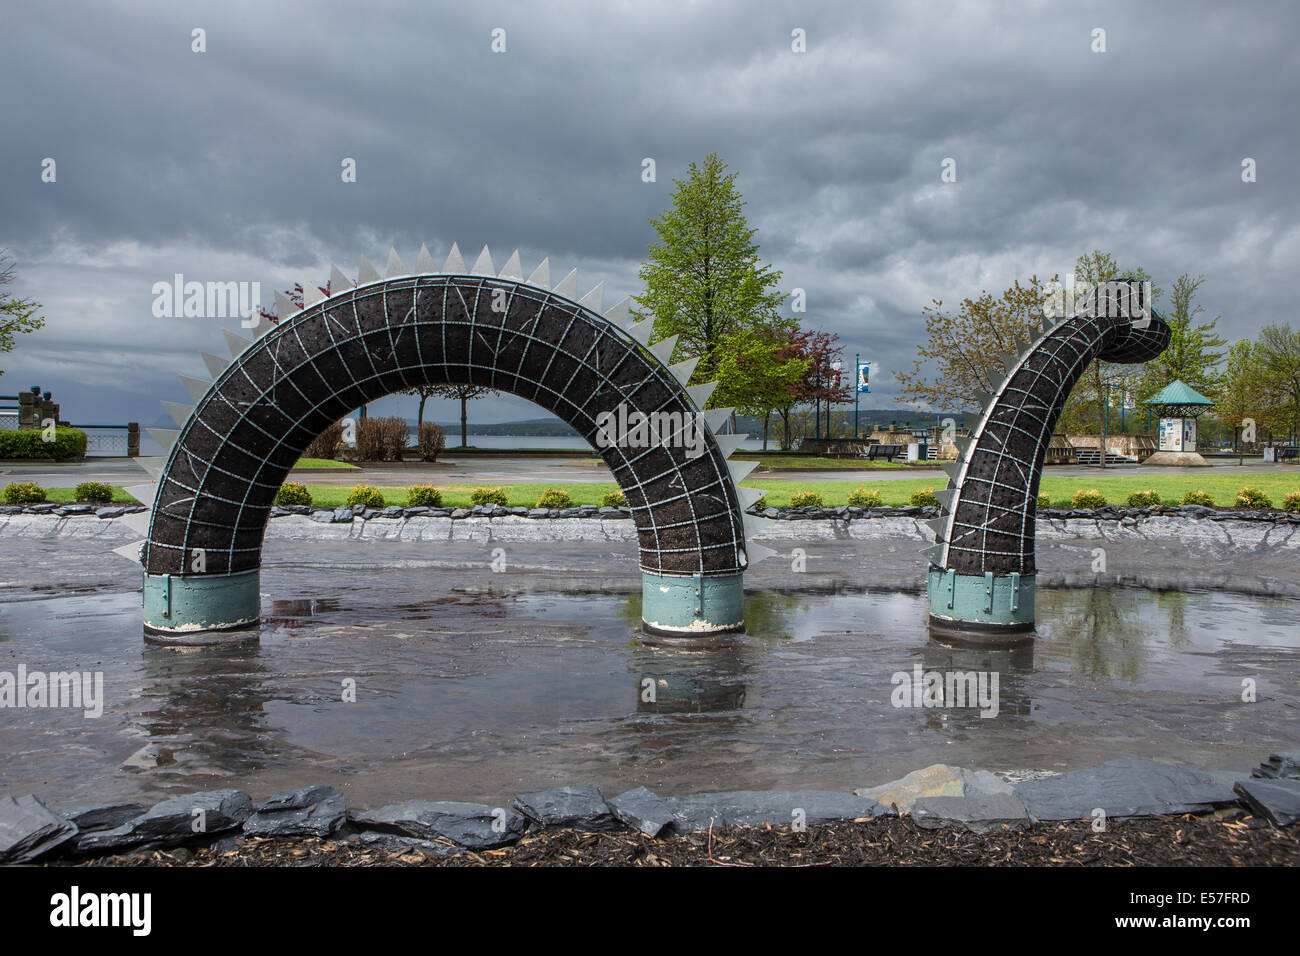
[{"x": 149, "y": 447}]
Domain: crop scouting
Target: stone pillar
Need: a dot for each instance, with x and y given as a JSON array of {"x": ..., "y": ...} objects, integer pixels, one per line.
[
  {"x": 691, "y": 605},
  {"x": 133, "y": 439},
  {"x": 28, "y": 410}
]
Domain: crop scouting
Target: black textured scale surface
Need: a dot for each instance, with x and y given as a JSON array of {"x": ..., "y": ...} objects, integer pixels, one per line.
[
  {"x": 238, "y": 446},
  {"x": 992, "y": 526}
]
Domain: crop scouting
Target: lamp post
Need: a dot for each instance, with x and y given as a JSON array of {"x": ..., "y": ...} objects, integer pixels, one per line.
[
  {"x": 857, "y": 361},
  {"x": 830, "y": 415}
]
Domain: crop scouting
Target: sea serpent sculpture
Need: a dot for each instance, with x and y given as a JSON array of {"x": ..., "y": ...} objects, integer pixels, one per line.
[
  {"x": 982, "y": 572},
  {"x": 595, "y": 370}
]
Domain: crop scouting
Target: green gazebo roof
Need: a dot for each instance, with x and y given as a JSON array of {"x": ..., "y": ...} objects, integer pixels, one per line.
[{"x": 1178, "y": 392}]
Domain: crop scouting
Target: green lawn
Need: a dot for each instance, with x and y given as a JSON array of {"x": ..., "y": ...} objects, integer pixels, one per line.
[
  {"x": 304, "y": 463},
  {"x": 1221, "y": 487}
]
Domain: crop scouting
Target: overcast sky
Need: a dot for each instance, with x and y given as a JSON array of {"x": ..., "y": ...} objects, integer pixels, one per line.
[{"x": 226, "y": 165}]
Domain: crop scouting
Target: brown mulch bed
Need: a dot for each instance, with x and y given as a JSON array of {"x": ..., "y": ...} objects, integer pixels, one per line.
[{"x": 1210, "y": 840}]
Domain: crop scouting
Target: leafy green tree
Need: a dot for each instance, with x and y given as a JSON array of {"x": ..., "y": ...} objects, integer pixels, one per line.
[
  {"x": 1240, "y": 395},
  {"x": 17, "y": 316},
  {"x": 758, "y": 370},
  {"x": 1277, "y": 352},
  {"x": 1194, "y": 350},
  {"x": 703, "y": 280},
  {"x": 962, "y": 348}
]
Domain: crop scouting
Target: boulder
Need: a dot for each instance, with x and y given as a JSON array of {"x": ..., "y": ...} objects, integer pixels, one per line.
[
  {"x": 29, "y": 829},
  {"x": 578, "y": 808},
  {"x": 102, "y": 816},
  {"x": 307, "y": 811},
  {"x": 1123, "y": 788},
  {"x": 174, "y": 822},
  {"x": 777, "y": 807},
  {"x": 642, "y": 810},
  {"x": 1278, "y": 801},
  {"x": 472, "y": 825},
  {"x": 978, "y": 814},
  {"x": 936, "y": 780}
]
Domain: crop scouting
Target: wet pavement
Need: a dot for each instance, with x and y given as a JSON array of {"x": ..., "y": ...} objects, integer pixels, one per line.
[{"x": 475, "y": 685}]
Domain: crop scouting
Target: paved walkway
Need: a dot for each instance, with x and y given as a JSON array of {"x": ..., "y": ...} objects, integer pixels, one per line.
[{"x": 547, "y": 470}]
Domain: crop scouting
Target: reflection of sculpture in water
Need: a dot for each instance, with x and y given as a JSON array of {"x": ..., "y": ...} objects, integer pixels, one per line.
[{"x": 1010, "y": 664}]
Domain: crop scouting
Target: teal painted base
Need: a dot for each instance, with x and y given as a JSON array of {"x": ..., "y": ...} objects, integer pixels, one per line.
[
  {"x": 981, "y": 608},
  {"x": 200, "y": 609},
  {"x": 685, "y": 605}
]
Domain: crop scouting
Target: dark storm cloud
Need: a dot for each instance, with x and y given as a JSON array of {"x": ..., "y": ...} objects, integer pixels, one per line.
[{"x": 225, "y": 165}]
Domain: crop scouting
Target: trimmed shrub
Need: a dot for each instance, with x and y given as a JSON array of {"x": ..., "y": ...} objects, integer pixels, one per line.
[
  {"x": 488, "y": 496},
  {"x": 30, "y": 443},
  {"x": 423, "y": 496},
  {"x": 381, "y": 439},
  {"x": 24, "y": 493},
  {"x": 366, "y": 495},
  {"x": 94, "y": 491},
  {"x": 431, "y": 438},
  {"x": 613, "y": 499},
  {"x": 1198, "y": 498},
  {"x": 1088, "y": 498},
  {"x": 1249, "y": 497},
  {"x": 326, "y": 444},
  {"x": 760, "y": 503},
  {"x": 1291, "y": 502},
  {"x": 555, "y": 498},
  {"x": 806, "y": 499},
  {"x": 861, "y": 498},
  {"x": 924, "y": 498},
  {"x": 1144, "y": 499},
  {"x": 1044, "y": 501},
  {"x": 293, "y": 493}
]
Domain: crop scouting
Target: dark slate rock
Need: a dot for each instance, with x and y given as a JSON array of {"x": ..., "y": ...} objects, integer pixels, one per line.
[
  {"x": 520, "y": 512},
  {"x": 440, "y": 512},
  {"x": 467, "y": 824},
  {"x": 307, "y": 811},
  {"x": 568, "y": 513},
  {"x": 345, "y": 514},
  {"x": 461, "y": 513},
  {"x": 110, "y": 512},
  {"x": 414, "y": 512},
  {"x": 757, "y": 807},
  {"x": 102, "y": 816},
  {"x": 1123, "y": 788},
  {"x": 171, "y": 822},
  {"x": 369, "y": 513},
  {"x": 402, "y": 844},
  {"x": 277, "y": 511},
  {"x": 323, "y": 516},
  {"x": 392, "y": 511},
  {"x": 1278, "y": 801},
  {"x": 539, "y": 512},
  {"x": 29, "y": 829},
  {"x": 978, "y": 814},
  {"x": 609, "y": 513},
  {"x": 11, "y": 509},
  {"x": 67, "y": 510},
  {"x": 357, "y": 509},
  {"x": 298, "y": 509},
  {"x": 1279, "y": 765},
  {"x": 643, "y": 810},
  {"x": 771, "y": 513},
  {"x": 578, "y": 808},
  {"x": 43, "y": 508}
]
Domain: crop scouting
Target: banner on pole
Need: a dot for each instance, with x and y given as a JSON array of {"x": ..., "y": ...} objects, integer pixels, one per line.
[{"x": 864, "y": 369}]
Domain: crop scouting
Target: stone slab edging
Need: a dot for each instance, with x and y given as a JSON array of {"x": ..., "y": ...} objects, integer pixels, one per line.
[
  {"x": 935, "y": 796},
  {"x": 1237, "y": 530}
]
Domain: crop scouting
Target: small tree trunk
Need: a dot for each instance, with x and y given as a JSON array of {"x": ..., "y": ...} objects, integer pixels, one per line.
[
  {"x": 464, "y": 423},
  {"x": 766, "y": 417},
  {"x": 419, "y": 418}
]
